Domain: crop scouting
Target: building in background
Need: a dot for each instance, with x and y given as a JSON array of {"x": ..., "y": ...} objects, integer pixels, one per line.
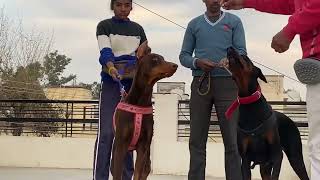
[
  {"x": 172, "y": 88},
  {"x": 76, "y": 110},
  {"x": 273, "y": 90},
  {"x": 292, "y": 95},
  {"x": 68, "y": 93}
]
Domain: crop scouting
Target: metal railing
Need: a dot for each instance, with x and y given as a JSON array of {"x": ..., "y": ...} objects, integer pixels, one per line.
[
  {"x": 295, "y": 110},
  {"x": 49, "y": 117},
  {"x": 80, "y": 118}
]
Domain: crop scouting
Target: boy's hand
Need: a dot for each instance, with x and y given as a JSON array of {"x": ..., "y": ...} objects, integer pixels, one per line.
[
  {"x": 205, "y": 64},
  {"x": 224, "y": 63}
]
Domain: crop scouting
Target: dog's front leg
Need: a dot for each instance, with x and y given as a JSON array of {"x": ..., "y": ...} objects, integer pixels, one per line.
[
  {"x": 275, "y": 152},
  {"x": 141, "y": 153},
  {"x": 265, "y": 171},
  {"x": 272, "y": 167},
  {"x": 117, "y": 164},
  {"x": 245, "y": 167},
  {"x": 147, "y": 162},
  {"x": 277, "y": 167},
  {"x": 143, "y": 162},
  {"x": 147, "y": 166}
]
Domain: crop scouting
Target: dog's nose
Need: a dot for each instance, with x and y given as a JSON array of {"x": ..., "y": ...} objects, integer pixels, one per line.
[
  {"x": 175, "y": 66},
  {"x": 230, "y": 50}
]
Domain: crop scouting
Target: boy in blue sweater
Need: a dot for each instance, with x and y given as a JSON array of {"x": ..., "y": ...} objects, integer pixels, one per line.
[{"x": 208, "y": 37}]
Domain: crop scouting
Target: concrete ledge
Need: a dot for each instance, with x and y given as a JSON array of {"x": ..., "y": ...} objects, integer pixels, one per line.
[
  {"x": 46, "y": 152},
  {"x": 168, "y": 156},
  {"x": 75, "y": 153}
]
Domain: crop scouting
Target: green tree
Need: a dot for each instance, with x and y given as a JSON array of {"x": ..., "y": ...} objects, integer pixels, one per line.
[
  {"x": 54, "y": 65},
  {"x": 23, "y": 83}
]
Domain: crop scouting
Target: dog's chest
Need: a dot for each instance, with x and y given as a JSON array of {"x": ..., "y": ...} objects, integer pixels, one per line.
[{"x": 258, "y": 150}]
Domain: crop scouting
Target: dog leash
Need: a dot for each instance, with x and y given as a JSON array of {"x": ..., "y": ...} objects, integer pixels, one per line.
[
  {"x": 205, "y": 75},
  {"x": 123, "y": 92}
]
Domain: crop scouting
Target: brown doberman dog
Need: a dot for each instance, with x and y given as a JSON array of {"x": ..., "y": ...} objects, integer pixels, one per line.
[
  {"x": 150, "y": 68},
  {"x": 262, "y": 132}
]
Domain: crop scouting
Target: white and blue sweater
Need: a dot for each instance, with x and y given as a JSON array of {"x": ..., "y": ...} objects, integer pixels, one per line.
[{"x": 118, "y": 40}]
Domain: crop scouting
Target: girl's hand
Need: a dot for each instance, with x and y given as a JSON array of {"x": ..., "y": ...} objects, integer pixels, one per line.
[{"x": 113, "y": 72}]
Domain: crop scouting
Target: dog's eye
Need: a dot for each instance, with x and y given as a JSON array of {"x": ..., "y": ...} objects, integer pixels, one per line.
[{"x": 155, "y": 61}]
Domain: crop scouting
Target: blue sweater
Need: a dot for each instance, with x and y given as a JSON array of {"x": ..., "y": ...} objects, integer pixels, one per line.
[{"x": 211, "y": 40}]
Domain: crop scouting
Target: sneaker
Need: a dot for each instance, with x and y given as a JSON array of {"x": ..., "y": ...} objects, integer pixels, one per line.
[{"x": 308, "y": 71}]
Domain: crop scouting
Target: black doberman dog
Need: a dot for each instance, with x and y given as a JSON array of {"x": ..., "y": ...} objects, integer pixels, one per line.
[
  {"x": 150, "y": 68},
  {"x": 262, "y": 132}
]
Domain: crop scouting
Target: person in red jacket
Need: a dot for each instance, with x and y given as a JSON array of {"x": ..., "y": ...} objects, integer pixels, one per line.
[{"x": 304, "y": 21}]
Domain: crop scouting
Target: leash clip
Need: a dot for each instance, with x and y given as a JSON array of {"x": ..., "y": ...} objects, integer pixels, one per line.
[{"x": 123, "y": 92}]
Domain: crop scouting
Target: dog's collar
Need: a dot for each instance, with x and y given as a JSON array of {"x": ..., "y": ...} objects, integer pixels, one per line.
[
  {"x": 134, "y": 109},
  {"x": 243, "y": 100}
]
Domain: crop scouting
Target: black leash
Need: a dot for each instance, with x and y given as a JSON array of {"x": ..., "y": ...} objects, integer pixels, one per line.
[{"x": 205, "y": 75}]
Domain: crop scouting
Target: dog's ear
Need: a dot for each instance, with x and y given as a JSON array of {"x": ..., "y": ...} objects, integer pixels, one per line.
[
  {"x": 143, "y": 50},
  {"x": 260, "y": 75}
]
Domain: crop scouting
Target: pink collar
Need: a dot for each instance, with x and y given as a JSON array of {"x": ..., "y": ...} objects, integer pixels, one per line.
[
  {"x": 138, "y": 112},
  {"x": 134, "y": 109},
  {"x": 243, "y": 100}
]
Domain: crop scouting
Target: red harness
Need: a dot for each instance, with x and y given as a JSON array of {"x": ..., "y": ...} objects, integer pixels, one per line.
[
  {"x": 138, "y": 113},
  {"x": 243, "y": 100}
]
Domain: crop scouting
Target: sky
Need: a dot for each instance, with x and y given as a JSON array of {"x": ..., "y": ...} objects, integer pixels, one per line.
[{"x": 73, "y": 25}]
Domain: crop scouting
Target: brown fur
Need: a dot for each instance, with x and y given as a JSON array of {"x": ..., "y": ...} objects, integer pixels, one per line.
[{"x": 151, "y": 68}]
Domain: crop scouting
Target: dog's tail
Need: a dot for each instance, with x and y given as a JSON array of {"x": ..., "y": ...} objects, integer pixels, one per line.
[{"x": 289, "y": 135}]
